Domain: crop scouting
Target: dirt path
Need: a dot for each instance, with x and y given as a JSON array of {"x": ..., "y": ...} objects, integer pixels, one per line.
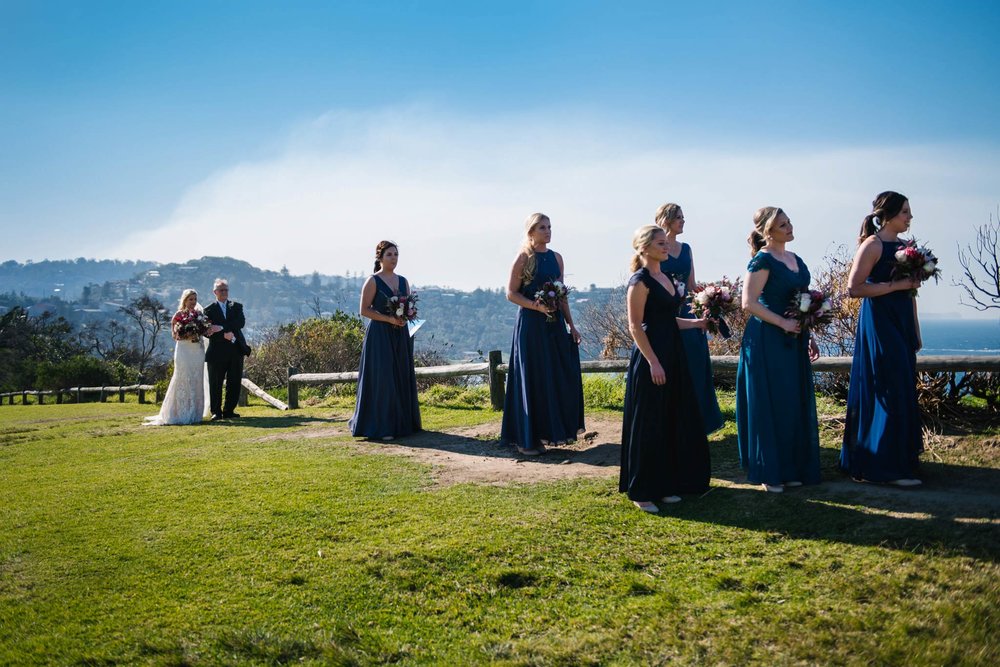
[{"x": 474, "y": 455}]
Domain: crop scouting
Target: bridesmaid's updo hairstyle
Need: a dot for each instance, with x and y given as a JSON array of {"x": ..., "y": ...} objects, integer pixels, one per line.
[
  {"x": 380, "y": 251},
  {"x": 666, "y": 214},
  {"x": 184, "y": 297},
  {"x": 530, "y": 264},
  {"x": 641, "y": 240},
  {"x": 763, "y": 219},
  {"x": 886, "y": 206}
]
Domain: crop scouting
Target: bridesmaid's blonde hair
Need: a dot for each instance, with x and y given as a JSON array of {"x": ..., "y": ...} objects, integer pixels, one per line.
[
  {"x": 763, "y": 220},
  {"x": 641, "y": 240},
  {"x": 666, "y": 214},
  {"x": 184, "y": 295},
  {"x": 531, "y": 263}
]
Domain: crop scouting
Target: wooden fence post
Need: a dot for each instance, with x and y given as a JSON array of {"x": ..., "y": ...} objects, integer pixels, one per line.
[
  {"x": 41, "y": 397},
  {"x": 24, "y": 397},
  {"x": 293, "y": 389},
  {"x": 104, "y": 395},
  {"x": 497, "y": 380},
  {"x": 79, "y": 395},
  {"x": 121, "y": 394},
  {"x": 244, "y": 399},
  {"x": 59, "y": 393}
]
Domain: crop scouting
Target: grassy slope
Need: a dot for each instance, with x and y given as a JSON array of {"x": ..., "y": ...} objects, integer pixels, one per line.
[{"x": 212, "y": 545}]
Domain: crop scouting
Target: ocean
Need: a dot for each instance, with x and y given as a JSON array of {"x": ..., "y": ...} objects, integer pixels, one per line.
[{"x": 961, "y": 337}]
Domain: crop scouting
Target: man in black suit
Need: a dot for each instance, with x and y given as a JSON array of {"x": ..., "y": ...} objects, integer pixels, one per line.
[{"x": 226, "y": 350}]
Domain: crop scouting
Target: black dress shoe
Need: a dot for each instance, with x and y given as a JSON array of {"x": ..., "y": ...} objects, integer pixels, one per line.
[
  {"x": 216, "y": 418},
  {"x": 230, "y": 415}
]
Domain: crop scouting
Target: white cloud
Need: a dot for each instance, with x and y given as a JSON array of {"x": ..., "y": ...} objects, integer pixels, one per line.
[{"x": 453, "y": 192}]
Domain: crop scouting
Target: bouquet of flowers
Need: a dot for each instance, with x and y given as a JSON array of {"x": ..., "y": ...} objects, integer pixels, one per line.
[
  {"x": 552, "y": 295},
  {"x": 190, "y": 324},
  {"x": 714, "y": 301},
  {"x": 812, "y": 309},
  {"x": 914, "y": 261},
  {"x": 403, "y": 305}
]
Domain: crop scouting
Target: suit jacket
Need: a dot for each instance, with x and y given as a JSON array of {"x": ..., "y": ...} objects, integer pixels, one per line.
[{"x": 221, "y": 350}]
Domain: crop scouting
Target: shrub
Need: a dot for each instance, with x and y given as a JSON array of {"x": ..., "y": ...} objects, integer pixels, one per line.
[
  {"x": 452, "y": 396},
  {"x": 77, "y": 371},
  {"x": 315, "y": 345},
  {"x": 604, "y": 391}
]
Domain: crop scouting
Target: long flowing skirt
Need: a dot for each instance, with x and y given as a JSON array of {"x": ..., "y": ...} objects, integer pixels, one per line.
[{"x": 186, "y": 400}]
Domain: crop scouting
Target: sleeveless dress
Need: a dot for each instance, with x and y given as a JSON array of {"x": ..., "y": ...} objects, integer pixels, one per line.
[
  {"x": 776, "y": 423},
  {"x": 544, "y": 398},
  {"x": 664, "y": 447},
  {"x": 387, "y": 387},
  {"x": 695, "y": 341},
  {"x": 186, "y": 400},
  {"x": 883, "y": 436}
]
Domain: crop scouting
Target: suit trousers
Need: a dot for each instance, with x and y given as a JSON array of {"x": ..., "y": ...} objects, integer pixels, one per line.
[{"x": 230, "y": 372}]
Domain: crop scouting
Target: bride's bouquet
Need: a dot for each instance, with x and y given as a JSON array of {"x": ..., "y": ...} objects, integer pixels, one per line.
[
  {"x": 714, "y": 301},
  {"x": 552, "y": 295},
  {"x": 812, "y": 309},
  {"x": 914, "y": 261},
  {"x": 403, "y": 305},
  {"x": 190, "y": 324}
]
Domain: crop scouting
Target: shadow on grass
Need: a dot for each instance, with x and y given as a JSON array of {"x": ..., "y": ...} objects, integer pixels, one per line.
[
  {"x": 280, "y": 421},
  {"x": 591, "y": 453},
  {"x": 956, "y": 511}
]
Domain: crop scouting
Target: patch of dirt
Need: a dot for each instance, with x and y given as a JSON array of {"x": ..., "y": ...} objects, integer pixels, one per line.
[{"x": 474, "y": 454}]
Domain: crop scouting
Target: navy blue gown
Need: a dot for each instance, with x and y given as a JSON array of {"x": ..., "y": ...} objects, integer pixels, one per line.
[
  {"x": 664, "y": 447},
  {"x": 544, "y": 398},
  {"x": 387, "y": 387},
  {"x": 883, "y": 436},
  {"x": 699, "y": 361},
  {"x": 776, "y": 423}
]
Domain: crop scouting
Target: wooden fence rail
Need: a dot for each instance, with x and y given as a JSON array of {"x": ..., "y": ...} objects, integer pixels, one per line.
[
  {"x": 141, "y": 389},
  {"x": 496, "y": 372},
  {"x": 78, "y": 393}
]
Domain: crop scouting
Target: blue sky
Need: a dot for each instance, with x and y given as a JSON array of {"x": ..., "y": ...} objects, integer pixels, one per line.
[{"x": 141, "y": 129}]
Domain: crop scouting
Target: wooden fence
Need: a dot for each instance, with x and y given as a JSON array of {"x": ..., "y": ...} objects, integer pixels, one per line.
[
  {"x": 104, "y": 392},
  {"x": 495, "y": 372}
]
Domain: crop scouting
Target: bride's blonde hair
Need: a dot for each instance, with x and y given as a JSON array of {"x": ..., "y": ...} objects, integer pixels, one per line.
[
  {"x": 184, "y": 295},
  {"x": 530, "y": 264}
]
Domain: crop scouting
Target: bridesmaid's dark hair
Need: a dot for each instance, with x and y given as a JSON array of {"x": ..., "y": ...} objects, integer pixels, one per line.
[
  {"x": 886, "y": 206},
  {"x": 379, "y": 251},
  {"x": 763, "y": 218}
]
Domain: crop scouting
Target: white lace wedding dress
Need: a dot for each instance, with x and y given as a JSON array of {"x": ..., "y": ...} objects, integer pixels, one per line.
[{"x": 186, "y": 401}]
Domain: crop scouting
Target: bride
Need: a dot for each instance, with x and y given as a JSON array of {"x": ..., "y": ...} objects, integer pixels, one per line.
[{"x": 186, "y": 401}]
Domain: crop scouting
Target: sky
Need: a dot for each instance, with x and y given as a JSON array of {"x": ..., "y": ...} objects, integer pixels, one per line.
[{"x": 299, "y": 134}]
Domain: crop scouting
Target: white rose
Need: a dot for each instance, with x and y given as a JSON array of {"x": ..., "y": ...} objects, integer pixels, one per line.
[
  {"x": 399, "y": 312},
  {"x": 929, "y": 266},
  {"x": 827, "y": 305},
  {"x": 804, "y": 302},
  {"x": 901, "y": 255},
  {"x": 710, "y": 290},
  {"x": 725, "y": 292},
  {"x": 701, "y": 298}
]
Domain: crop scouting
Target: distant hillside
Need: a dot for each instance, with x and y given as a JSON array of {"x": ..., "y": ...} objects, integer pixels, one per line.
[{"x": 459, "y": 324}]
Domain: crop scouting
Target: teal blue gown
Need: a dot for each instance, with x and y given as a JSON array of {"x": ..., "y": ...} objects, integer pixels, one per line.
[
  {"x": 699, "y": 361},
  {"x": 776, "y": 423},
  {"x": 883, "y": 436}
]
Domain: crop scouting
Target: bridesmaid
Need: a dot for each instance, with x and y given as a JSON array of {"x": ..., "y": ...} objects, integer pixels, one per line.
[
  {"x": 883, "y": 437},
  {"x": 664, "y": 447},
  {"x": 544, "y": 402},
  {"x": 386, "y": 406},
  {"x": 679, "y": 265},
  {"x": 775, "y": 402}
]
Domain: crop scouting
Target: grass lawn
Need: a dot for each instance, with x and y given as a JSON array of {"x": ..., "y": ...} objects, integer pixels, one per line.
[{"x": 244, "y": 543}]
